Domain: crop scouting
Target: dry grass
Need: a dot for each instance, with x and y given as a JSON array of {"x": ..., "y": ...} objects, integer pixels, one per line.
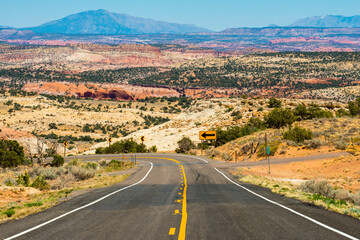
[
  {"x": 292, "y": 190},
  {"x": 17, "y": 201}
]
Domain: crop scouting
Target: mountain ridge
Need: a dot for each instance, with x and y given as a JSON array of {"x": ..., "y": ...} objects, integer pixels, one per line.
[
  {"x": 328, "y": 21},
  {"x": 103, "y": 22}
]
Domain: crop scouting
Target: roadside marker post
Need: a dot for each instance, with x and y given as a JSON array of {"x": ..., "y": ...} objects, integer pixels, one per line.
[
  {"x": 110, "y": 140},
  {"x": 142, "y": 139},
  {"x": 267, "y": 148},
  {"x": 65, "y": 145}
]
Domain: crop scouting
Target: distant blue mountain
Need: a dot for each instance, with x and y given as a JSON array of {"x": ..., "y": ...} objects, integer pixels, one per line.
[
  {"x": 4, "y": 27},
  {"x": 329, "y": 21},
  {"x": 106, "y": 23}
]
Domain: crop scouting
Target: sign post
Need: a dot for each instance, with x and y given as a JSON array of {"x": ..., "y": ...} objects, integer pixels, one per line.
[
  {"x": 267, "y": 151},
  {"x": 109, "y": 140},
  {"x": 65, "y": 145},
  {"x": 206, "y": 135}
]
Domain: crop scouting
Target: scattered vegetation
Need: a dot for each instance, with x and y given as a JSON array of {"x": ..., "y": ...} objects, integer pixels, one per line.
[
  {"x": 297, "y": 134},
  {"x": 123, "y": 146}
]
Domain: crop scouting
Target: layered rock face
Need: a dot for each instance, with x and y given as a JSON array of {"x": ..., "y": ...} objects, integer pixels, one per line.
[{"x": 94, "y": 91}]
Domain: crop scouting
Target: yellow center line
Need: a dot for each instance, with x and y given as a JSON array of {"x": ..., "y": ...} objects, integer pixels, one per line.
[
  {"x": 182, "y": 231},
  {"x": 172, "y": 231}
]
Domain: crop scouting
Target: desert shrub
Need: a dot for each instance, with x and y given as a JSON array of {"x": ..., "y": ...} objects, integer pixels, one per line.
[
  {"x": 314, "y": 111},
  {"x": 234, "y": 132},
  {"x": 236, "y": 114},
  {"x": 342, "y": 113},
  {"x": 23, "y": 179},
  {"x": 185, "y": 145},
  {"x": 279, "y": 117},
  {"x": 34, "y": 204},
  {"x": 48, "y": 172},
  {"x": 91, "y": 165},
  {"x": 213, "y": 152},
  {"x": 11, "y": 154},
  {"x": 40, "y": 183},
  {"x": 344, "y": 195},
  {"x": 262, "y": 152},
  {"x": 81, "y": 173},
  {"x": 354, "y": 107},
  {"x": 322, "y": 188},
  {"x": 100, "y": 150},
  {"x": 274, "y": 103},
  {"x": 9, "y": 212},
  {"x": 227, "y": 156},
  {"x": 291, "y": 143},
  {"x": 341, "y": 144},
  {"x": 115, "y": 165},
  {"x": 75, "y": 162},
  {"x": 57, "y": 161},
  {"x": 123, "y": 146},
  {"x": 153, "y": 149},
  {"x": 10, "y": 182},
  {"x": 297, "y": 134},
  {"x": 63, "y": 181},
  {"x": 302, "y": 112},
  {"x": 313, "y": 143},
  {"x": 103, "y": 163},
  {"x": 193, "y": 152}
]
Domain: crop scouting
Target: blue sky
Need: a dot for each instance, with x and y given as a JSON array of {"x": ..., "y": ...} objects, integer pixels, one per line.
[{"x": 213, "y": 14}]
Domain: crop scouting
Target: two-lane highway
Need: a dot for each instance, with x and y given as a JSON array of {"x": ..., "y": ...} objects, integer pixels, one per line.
[{"x": 182, "y": 197}]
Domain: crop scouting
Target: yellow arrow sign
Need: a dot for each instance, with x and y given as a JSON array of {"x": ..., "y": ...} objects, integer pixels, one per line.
[
  {"x": 207, "y": 135},
  {"x": 142, "y": 138},
  {"x": 110, "y": 139},
  {"x": 65, "y": 143}
]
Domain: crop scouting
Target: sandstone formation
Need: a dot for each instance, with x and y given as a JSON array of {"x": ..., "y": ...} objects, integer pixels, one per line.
[{"x": 80, "y": 90}]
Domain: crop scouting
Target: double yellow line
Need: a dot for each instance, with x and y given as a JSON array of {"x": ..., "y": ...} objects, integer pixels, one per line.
[{"x": 182, "y": 230}]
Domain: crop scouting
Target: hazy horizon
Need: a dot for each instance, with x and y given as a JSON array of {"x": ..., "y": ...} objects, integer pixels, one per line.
[{"x": 209, "y": 14}]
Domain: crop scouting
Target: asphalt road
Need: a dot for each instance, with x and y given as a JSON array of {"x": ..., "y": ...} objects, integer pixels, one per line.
[{"x": 182, "y": 197}]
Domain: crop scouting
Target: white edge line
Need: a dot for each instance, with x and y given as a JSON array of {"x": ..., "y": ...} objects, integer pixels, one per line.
[
  {"x": 200, "y": 159},
  {"x": 291, "y": 210},
  {"x": 77, "y": 209}
]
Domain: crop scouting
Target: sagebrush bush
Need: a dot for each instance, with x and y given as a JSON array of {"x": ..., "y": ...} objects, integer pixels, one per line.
[
  {"x": 50, "y": 173},
  {"x": 115, "y": 165},
  {"x": 63, "y": 181},
  {"x": 322, "y": 188},
  {"x": 91, "y": 165},
  {"x": 298, "y": 134},
  {"x": 75, "y": 162},
  {"x": 313, "y": 143},
  {"x": 81, "y": 173},
  {"x": 10, "y": 182},
  {"x": 341, "y": 144}
]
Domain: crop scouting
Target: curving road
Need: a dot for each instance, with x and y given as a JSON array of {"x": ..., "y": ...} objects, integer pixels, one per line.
[{"x": 182, "y": 197}]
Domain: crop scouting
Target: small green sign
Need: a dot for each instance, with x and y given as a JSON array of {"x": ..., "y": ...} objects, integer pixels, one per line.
[{"x": 268, "y": 150}]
